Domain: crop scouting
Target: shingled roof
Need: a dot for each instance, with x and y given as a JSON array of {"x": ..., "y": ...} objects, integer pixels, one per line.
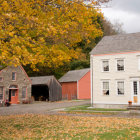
[
  {"x": 41, "y": 80},
  {"x": 74, "y": 75},
  {"x": 118, "y": 44}
]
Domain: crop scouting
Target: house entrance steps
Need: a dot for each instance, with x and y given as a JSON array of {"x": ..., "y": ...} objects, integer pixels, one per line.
[{"x": 134, "y": 107}]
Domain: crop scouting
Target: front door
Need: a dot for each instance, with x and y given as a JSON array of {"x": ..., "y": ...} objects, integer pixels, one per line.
[
  {"x": 135, "y": 97},
  {"x": 13, "y": 96}
]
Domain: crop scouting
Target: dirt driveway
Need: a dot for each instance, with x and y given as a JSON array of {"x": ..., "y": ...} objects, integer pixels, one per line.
[{"x": 39, "y": 108}]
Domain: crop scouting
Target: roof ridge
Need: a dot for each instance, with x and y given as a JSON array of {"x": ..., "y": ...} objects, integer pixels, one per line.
[
  {"x": 42, "y": 76},
  {"x": 79, "y": 69},
  {"x": 117, "y": 44},
  {"x": 122, "y": 34},
  {"x": 74, "y": 75}
]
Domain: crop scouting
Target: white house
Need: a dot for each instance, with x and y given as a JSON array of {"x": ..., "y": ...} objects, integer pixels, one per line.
[{"x": 115, "y": 71}]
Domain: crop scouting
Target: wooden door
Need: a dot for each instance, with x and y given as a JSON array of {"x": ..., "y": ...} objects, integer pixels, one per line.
[
  {"x": 14, "y": 96},
  {"x": 136, "y": 92}
]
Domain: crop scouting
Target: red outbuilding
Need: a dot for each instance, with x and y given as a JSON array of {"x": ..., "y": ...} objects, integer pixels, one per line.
[{"x": 76, "y": 84}]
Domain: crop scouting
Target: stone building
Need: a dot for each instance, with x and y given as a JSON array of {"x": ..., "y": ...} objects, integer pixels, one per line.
[{"x": 15, "y": 85}]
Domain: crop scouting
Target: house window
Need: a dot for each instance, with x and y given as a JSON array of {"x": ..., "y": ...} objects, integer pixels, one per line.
[
  {"x": 120, "y": 65},
  {"x": 1, "y": 79},
  {"x": 120, "y": 87},
  {"x": 13, "y": 76},
  {"x": 1, "y": 93},
  {"x": 13, "y": 92},
  {"x": 105, "y": 88},
  {"x": 24, "y": 91},
  {"x": 105, "y": 65}
]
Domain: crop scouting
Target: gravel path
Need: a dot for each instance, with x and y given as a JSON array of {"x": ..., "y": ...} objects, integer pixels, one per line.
[
  {"x": 39, "y": 108},
  {"x": 56, "y": 108}
]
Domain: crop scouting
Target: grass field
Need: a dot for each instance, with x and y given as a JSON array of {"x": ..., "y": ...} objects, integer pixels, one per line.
[
  {"x": 86, "y": 108},
  {"x": 94, "y": 111},
  {"x": 47, "y": 127}
]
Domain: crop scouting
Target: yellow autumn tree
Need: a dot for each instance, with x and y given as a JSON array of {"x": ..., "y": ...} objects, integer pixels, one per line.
[{"x": 45, "y": 31}]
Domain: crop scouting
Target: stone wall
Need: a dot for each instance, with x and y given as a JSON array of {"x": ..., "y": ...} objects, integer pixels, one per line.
[{"x": 21, "y": 81}]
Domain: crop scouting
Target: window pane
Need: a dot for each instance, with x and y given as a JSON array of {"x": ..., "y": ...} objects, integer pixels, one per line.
[
  {"x": 105, "y": 66},
  {"x": 24, "y": 92},
  {"x": 120, "y": 62},
  {"x": 1, "y": 96},
  {"x": 1, "y": 93},
  {"x": 105, "y": 85},
  {"x": 13, "y": 75},
  {"x": 1, "y": 79},
  {"x": 120, "y": 65},
  {"x": 105, "y": 88},
  {"x": 1, "y": 90},
  {"x": 135, "y": 87},
  {"x": 13, "y": 92},
  {"x": 120, "y": 88}
]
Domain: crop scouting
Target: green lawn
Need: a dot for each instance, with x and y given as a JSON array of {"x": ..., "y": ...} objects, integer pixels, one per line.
[
  {"x": 52, "y": 127},
  {"x": 86, "y": 108}
]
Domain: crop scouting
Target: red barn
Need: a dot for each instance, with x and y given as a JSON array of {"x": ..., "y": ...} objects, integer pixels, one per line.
[{"x": 76, "y": 84}]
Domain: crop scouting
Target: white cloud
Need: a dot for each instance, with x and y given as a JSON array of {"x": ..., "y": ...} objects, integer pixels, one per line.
[{"x": 126, "y": 12}]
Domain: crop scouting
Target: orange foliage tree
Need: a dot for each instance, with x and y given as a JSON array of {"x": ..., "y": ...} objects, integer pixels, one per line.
[{"x": 45, "y": 31}]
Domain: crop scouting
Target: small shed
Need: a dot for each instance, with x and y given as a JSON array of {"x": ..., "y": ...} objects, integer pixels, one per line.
[
  {"x": 76, "y": 84},
  {"x": 46, "y": 88}
]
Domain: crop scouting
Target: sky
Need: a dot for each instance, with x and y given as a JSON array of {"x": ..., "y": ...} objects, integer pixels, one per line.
[{"x": 126, "y": 12}]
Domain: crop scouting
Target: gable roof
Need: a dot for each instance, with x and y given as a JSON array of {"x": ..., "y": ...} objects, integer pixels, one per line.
[
  {"x": 25, "y": 73},
  {"x": 39, "y": 80},
  {"x": 118, "y": 44},
  {"x": 74, "y": 75},
  {"x": 19, "y": 66}
]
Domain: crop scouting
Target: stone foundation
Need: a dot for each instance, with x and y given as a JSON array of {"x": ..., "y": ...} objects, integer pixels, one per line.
[{"x": 111, "y": 106}]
